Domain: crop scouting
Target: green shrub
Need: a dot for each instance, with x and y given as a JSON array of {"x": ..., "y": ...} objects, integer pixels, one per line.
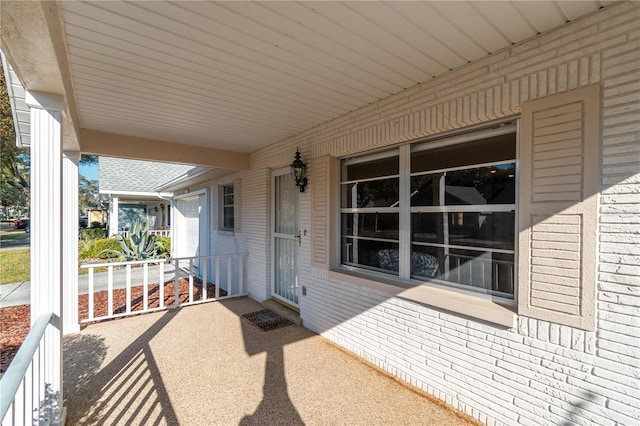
[
  {"x": 105, "y": 245},
  {"x": 139, "y": 246},
  {"x": 96, "y": 225},
  {"x": 91, "y": 233},
  {"x": 164, "y": 246},
  {"x": 86, "y": 248},
  {"x": 102, "y": 248}
]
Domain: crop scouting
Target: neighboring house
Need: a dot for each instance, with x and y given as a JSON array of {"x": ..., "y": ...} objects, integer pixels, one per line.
[
  {"x": 130, "y": 188},
  {"x": 475, "y": 235}
]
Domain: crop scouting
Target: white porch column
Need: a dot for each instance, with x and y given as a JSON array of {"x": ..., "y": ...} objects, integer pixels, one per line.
[
  {"x": 46, "y": 225},
  {"x": 70, "y": 322},
  {"x": 113, "y": 216}
]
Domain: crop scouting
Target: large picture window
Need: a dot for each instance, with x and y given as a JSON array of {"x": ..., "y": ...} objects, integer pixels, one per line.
[{"x": 439, "y": 211}]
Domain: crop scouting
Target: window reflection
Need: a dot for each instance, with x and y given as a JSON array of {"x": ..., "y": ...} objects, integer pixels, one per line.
[
  {"x": 376, "y": 193},
  {"x": 474, "y": 186}
]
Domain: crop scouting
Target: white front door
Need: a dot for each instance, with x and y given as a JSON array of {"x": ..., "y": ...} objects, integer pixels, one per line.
[{"x": 285, "y": 237}]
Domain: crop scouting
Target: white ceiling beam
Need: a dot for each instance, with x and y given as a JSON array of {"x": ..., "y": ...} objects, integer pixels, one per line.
[{"x": 122, "y": 146}]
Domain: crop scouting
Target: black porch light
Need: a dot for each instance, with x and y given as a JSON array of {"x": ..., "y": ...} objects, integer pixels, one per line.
[{"x": 298, "y": 169}]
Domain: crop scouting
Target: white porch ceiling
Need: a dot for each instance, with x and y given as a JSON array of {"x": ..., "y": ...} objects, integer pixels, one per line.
[{"x": 242, "y": 75}]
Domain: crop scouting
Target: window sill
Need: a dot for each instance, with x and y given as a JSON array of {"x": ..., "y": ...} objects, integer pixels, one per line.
[
  {"x": 225, "y": 233},
  {"x": 474, "y": 306}
]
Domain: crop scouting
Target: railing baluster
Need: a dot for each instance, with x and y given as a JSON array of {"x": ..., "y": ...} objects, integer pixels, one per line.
[
  {"x": 90, "y": 295},
  {"x": 30, "y": 391},
  {"x": 128, "y": 284},
  {"x": 23, "y": 384},
  {"x": 110, "y": 291},
  {"x": 217, "y": 278},
  {"x": 201, "y": 272},
  {"x": 176, "y": 284},
  {"x": 190, "y": 280},
  {"x": 145, "y": 287},
  {"x": 229, "y": 270},
  {"x": 205, "y": 278},
  {"x": 161, "y": 286},
  {"x": 241, "y": 273}
]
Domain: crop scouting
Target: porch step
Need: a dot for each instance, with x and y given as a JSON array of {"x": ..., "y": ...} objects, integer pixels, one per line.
[{"x": 283, "y": 311}]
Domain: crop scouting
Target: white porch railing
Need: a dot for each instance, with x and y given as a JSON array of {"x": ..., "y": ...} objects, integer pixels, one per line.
[
  {"x": 156, "y": 232},
  {"x": 27, "y": 389},
  {"x": 153, "y": 285}
]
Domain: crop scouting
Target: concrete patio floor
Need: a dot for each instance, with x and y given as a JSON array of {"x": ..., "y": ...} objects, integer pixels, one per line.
[{"x": 205, "y": 364}]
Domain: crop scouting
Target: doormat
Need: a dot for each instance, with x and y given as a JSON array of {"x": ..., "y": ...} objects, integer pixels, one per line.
[{"x": 267, "y": 320}]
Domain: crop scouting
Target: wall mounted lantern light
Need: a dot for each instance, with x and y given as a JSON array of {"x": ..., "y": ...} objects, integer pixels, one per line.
[{"x": 298, "y": 169}]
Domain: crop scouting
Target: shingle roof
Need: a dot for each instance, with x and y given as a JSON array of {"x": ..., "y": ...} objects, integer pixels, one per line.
[{"x": 119, "y": 174}]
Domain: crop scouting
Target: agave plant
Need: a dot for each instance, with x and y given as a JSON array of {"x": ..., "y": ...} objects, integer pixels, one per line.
[{"x": 140, "y": 244}]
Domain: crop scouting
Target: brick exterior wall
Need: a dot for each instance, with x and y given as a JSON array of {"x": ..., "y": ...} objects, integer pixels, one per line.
[{"x": 540, "y": 372}]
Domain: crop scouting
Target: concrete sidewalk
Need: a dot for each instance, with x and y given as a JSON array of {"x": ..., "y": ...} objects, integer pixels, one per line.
[
  {"x": 207, "y": 365},
  {"x": 20, "y": 293}
]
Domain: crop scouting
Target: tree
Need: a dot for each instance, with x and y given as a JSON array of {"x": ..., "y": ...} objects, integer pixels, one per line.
[
  {"x": 15, "y": 164},
  {"x": 88, "y": 160},
  {"x": 87, "y": 194}
]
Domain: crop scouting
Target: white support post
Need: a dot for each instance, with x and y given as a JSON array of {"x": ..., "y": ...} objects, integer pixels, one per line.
[
  {"x": 113, "y": 216},
  {"x": 47, "y": 226},
  {"x": 70, "y": 323}
]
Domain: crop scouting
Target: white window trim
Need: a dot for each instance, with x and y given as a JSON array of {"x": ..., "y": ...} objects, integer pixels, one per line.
[
  {"x": 222, "y": 230},
  {"x": 474, "y": 304}
]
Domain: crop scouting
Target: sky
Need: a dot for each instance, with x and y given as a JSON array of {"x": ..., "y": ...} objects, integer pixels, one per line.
[{"x": 89, "y": 171}]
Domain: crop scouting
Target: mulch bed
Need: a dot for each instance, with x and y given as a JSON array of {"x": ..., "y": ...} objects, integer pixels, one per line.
[{"x": 15, "y": 319}]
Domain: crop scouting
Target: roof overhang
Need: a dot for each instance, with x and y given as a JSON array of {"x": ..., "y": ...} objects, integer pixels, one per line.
[
  {"x": 19, "y": 109},
  {"x": 135, "y": 195}
]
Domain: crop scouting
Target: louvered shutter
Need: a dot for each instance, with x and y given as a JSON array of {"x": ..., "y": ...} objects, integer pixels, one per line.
[
  {"x": 559, "y": 138},
  {"x": 324, "y": 188}
]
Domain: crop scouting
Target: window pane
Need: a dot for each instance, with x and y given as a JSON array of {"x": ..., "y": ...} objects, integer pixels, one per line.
[
  {"x": 228, "y": 189},
  {"x": 228, "y": 200},
  {"x": 480, "y": 270},
  {"x": 425, "y": 190},
  {"x": 484, "y": 229},
  {"x": 426, "y": 261},
  {"x": 377, "y": 193},
  {"x": 475, "y": 186},
  {"x": 378, "y": 255},
  {"x": 481, "y": 185},
  {"x": 427, "y": 227},
  {"x": 490, "y": 150},
  {"x": 372, "y": 225},
  {"x": 375, "y": 168},
  {"x": 228, "y": 217}
]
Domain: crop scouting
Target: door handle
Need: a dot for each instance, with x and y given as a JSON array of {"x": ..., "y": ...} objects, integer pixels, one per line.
[{"x": 299, "y": 237}]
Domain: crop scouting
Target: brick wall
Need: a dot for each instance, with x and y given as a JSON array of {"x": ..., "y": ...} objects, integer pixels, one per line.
[{"x": 539, "y": 373}]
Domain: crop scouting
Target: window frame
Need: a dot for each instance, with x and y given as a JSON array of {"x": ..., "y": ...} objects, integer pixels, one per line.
[
  {"x": 368, "y": 210},
  {"x": 222, "y": 226},
  {"x": 403, "y": 277}
]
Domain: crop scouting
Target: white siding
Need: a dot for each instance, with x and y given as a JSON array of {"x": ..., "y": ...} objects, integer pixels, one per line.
[{"x": 541, "y": 372}]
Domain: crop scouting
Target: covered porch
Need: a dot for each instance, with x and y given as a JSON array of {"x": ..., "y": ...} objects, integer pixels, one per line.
[
  {"x": 206, "y": 364},
  {"x": 242, "y": 88}
]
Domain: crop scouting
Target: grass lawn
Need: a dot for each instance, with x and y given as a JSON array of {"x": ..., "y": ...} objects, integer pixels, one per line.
[
  {"x": 14, "y": 235},
  {"x": 14, "y": 266},
  {"x": 84, "y": 271}
]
